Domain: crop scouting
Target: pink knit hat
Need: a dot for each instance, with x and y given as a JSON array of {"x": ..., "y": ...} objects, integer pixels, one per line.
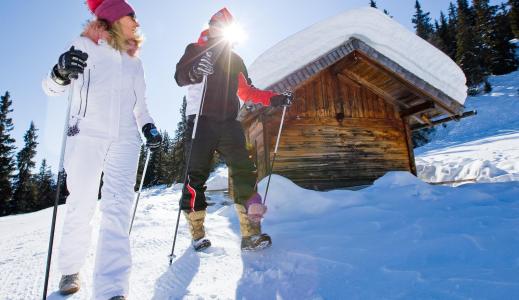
[{"x": 110, "y": 10}]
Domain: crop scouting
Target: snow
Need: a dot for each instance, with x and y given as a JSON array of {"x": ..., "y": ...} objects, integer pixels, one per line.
[
  {"x": 398, "y": 239},
  {"x": 375, "y": 29},
  {"x": 218, "y": 180},
  {"x": 484, "y": 148}
]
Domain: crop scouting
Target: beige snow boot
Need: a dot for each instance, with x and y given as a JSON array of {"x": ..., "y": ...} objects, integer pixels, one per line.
[
  {"x": 69, "y": 284},
  {"x": 195, "y": 220},
  {"x": 252, "y": 238}
]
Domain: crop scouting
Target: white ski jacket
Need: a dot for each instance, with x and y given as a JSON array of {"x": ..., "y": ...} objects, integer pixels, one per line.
[{"x": 108, "y": 99}]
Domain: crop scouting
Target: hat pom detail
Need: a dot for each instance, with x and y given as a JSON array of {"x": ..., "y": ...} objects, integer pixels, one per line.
[{"x": 94, "y": 4}]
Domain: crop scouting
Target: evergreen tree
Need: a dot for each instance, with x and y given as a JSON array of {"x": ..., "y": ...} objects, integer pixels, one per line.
[
  {"x": 167, "y": 150},
  {"x": 505, "y": 60},
  {"x": 422, "y": 137},
  {"x": 422, "y": 22},
  {"x": 437, "y": 37},
  {"x": 159, "y": 166},
  {"x": 486, "y": 31},
  {"x": 7, "y": 147},
  {"x": 514, "y": 16},
  {"x": 179, "y": 145},
  {"x": 373, "y": 3},
  {"x": 154, "y": 173},
  {"x": 447, "y": 39},
  {"x": 45, "y": 186},
  {"x": 140, "y": 169},
  {"x": 161, "y": 162},
  {"x": 468, "y": 12},
  {"x": 451, "y": 43},
  {"x": 25, "y": 188},
  {"x": 468, "y": 52}
]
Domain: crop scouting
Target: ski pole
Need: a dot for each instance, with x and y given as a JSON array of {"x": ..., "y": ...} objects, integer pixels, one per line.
[
  {"x": 140, "y": 189},
  {"x": 275, "y": 153},
  {"x": 61, "y": 173},
  {"x": 193, "y": 136}
]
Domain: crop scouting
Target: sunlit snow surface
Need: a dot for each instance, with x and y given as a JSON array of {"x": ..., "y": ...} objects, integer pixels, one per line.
[
  {"x": 398, "y": 239},
  {"x": 484, "y": 147}
]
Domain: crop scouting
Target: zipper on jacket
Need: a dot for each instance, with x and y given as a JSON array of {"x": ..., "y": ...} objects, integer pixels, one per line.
[
  {"x": 81, "y": 94},
  {"x": 87, "y": 91}
]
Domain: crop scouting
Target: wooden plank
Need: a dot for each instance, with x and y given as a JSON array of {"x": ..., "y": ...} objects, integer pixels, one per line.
[
  {"x": 310, "y": 100},
  {"x": 336, "y": 95},
  {"x": 413, "y": 86},
  {"x": 410, "y": 147},
  {"x": 381, "y": 93}
]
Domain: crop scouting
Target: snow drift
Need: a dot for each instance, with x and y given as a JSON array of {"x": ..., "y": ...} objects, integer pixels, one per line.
[
  {"x": 482, "y": 148},
  {"x": 398, "y": 239}
]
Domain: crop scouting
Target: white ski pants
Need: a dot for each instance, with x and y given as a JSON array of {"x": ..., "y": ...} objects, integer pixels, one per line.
[{"x": 85, "y": 159}]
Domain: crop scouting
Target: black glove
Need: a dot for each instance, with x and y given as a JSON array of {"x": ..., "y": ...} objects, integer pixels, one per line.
[
  {"x": 70, "y": 64},
  {"x": 284, "y": 99},
  {"x": 204, "y": 67},
  {"x": 152, "y": 135}
]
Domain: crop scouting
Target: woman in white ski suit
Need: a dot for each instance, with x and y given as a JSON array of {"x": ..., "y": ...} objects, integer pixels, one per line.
[{"x": 108, "y": 108}]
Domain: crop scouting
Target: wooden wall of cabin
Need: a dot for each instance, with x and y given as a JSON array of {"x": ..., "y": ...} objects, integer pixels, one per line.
[{"x": 336, "y": 134}]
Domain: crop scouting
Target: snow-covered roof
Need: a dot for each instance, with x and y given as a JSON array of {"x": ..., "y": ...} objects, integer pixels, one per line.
[{"x": 378, "y": 31}]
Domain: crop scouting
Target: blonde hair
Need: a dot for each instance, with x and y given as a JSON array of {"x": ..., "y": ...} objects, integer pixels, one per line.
[
  {"x": 113, "y": 34},
  {"x": 118, "y": 41}
]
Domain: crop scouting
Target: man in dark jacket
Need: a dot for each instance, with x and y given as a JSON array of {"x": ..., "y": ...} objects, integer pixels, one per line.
[{"x": 212, "y": 71}]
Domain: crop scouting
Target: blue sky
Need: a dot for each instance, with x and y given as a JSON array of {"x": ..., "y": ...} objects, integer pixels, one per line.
[{"x": 35, "y": 32}]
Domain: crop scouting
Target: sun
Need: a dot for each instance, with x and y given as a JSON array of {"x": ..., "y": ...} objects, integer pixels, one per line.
[{"x": 234, "y": 33}]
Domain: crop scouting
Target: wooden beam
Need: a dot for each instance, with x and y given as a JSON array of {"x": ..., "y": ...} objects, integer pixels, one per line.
[
  {"x": 418, "y": 108},
  {"x": 426, "y": 120},
  {"x": 410, "y": 146},
  {"x": 448, "y": 119},
  {"x": 349, "y": 81},
  {"x": 410, "y": 86},
  {"x": 347, "y": 75},
  {"x": 346, "y": 62}
]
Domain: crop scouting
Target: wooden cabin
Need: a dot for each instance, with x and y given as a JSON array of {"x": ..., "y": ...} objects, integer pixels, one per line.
[{"x": 351, "y": 121}]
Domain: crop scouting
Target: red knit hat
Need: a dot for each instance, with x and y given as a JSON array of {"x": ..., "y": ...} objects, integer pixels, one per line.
[
  {"x": 204, "y": 37},
  {"x": 222, "y": 16},
  {"x": 110, "y": 10}
]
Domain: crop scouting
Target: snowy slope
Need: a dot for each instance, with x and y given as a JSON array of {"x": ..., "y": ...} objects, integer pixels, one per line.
[
  {"x": 375, "y": 29},
  {"x": 399, "y": 239},
  {"x": 484, "y": 147}
]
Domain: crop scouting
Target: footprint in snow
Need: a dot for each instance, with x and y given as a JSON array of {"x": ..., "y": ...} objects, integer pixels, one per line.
[{"x": 213, "y": 251}]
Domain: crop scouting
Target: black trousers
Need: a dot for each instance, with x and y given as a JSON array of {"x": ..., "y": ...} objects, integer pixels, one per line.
[{"x": 228, "y": 139}]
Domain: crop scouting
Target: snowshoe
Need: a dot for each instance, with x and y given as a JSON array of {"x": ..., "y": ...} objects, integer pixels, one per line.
[
  {"x": 256, "y": 242},
  {"x": 201, "y": 244},
  {"x": 69, "y": 284}
]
